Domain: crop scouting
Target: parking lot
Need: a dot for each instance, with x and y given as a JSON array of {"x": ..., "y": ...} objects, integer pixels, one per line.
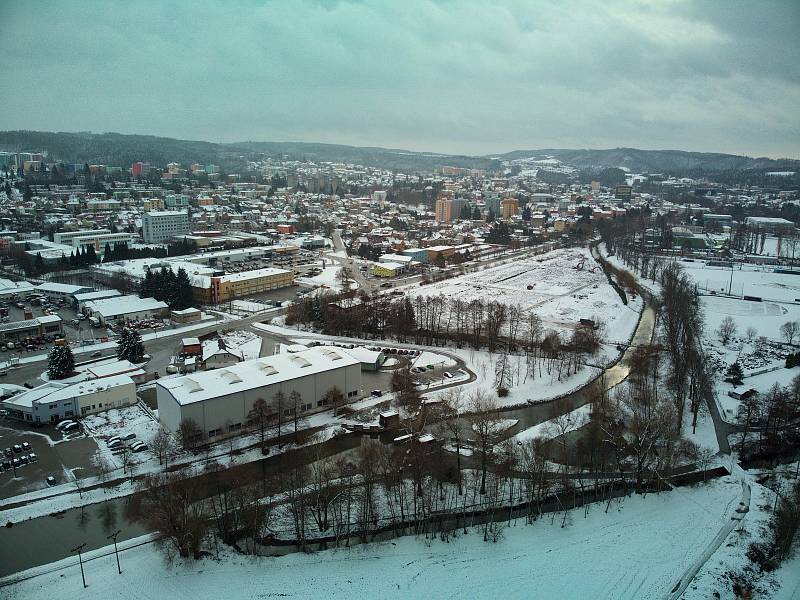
[
  {"x": 56, "y": 456},
  {"x": 65, "y": 311}
]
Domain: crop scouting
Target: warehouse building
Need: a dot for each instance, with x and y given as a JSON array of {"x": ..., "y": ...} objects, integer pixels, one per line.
[
  {"x": 54, "y": 401},
  {"x": 62, "y": 290},
  {"x": 31, "y": 328},
  {"x": 220, "y": 400},
  {"x": 80, "y": 300},
  {"x": 126, "y": 308}
]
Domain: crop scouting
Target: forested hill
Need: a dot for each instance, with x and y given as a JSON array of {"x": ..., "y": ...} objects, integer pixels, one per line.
[
  {"x": 656, "y": 161},
  {"x": 122, "y": 150}
]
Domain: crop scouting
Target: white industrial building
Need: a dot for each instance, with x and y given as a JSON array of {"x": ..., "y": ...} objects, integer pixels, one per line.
[
  {"x": 162, "y": 225},
  {"x": 55, "y": 401},
  {"x": 219, "y": 401},
  {"x": 125, "y": 308}
]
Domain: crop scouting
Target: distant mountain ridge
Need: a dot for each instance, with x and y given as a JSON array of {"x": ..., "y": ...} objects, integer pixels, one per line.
[
  {"x": 654, "y": 161},
  {"x": 122, "y": 150}
]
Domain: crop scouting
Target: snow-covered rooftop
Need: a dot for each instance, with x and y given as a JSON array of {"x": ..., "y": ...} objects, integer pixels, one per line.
[
  {"x": 252, "y": 374},
  {"x": 123, "y": 305}
]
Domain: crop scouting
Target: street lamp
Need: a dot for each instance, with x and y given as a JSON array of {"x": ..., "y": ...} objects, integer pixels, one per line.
[
  {"x": 80, "y": 560},
  {"x": 114, "y": 537}
]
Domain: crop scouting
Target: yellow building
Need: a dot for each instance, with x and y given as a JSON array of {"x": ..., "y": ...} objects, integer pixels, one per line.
[
  {"x": 215, "y": 289},
  {"x": 509, "y": 207},
  {"x": 153, "y": 204},
  {"x": 387, "y": 269}
]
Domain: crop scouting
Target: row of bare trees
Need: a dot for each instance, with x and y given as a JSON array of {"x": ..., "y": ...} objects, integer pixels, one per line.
[
  {"x": 456, "y": 467},
  {"x": 428, "y": 320},
  {"x": 771, "y": 423}
]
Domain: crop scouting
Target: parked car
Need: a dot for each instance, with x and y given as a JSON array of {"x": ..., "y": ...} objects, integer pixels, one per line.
[
  {"x": 6, "y": 464},
  {"x": 128, "y": 436},
  {"x": 8, "y": 452},
  {"x": 51, "y": 481},
  {"x": 376, "y": 393},
  {"x": 71, "y": 427},
  {"x": 64, "y": 423},
  {"x": 32, "y": 457},
  {"x": 16, "y": 462},
  {"x": 138, "y": 447},
  {"x": 24, "y": 459},
  {"x": 17, "y": 448},
  {"x": 97, "y": 354},
  {"x": 26, "y": 446},
  {"x": 113, "y": 440},
  {"x": 448, "y": 374}
]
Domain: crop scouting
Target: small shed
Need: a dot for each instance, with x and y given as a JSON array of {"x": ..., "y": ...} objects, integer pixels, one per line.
[
  {"x": 389, "y": 419},
  {"x": 191, "y": 345}
]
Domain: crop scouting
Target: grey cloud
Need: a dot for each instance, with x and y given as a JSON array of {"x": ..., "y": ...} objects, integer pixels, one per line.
[{"x": 453, "y": 76}]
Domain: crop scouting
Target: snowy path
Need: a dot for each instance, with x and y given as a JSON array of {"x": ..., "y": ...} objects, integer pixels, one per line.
[{"x": 736, "y": 517}]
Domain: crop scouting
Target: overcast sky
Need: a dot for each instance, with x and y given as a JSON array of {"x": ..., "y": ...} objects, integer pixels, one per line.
[{"x": 459, "y": 76}]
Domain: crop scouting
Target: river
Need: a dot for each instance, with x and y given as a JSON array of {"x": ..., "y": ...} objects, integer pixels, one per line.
[{"x": 47, "y": 539}]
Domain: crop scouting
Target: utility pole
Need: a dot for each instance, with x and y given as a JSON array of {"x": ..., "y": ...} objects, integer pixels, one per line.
[
  {"x": 80, "y": 560},
  {"x": 730, "y": 283},
  {"x": 114, "y": 537}
]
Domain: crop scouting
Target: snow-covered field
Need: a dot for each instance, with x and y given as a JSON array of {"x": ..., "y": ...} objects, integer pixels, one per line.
[
  {"x": 561, "y": 293},
  {"x": 640, "y": 548},
  {"x": 328, "y": 277}
]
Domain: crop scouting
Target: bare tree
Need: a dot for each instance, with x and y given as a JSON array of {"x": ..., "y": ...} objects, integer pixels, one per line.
[
  {"x": 172, "y": 503},
  {"x": 334, "y": 398},
  {"x": 189, "y": 434},
  {"x": 452, "y": 409},
  {"x": 726, "y": 331},
  {"x": 163, "y": 446},
  {"x": 789, "y": 331},
  {"x": 485, "y": 421},
  {"x": 259, "y": 417}
]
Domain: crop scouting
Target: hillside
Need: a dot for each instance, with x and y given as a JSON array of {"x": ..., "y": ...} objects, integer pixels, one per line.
[
  {"x": 121, "y": 150},
  {"x": 655, "y": 161}
]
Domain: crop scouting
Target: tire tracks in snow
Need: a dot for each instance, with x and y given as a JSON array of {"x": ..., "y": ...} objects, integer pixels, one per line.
[{"x": 738, "y": 515}]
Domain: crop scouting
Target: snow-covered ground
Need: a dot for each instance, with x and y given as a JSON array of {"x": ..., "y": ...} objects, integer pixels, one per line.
[
  {"x": 550, "y": 429},
  {"x": 565, "y": 286},
  {"x": 640, "y": 548},
  {"x": 329, "y": 278}
]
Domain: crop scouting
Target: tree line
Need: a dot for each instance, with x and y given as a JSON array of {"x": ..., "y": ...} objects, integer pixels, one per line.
[{"x": 173, "y": 288}]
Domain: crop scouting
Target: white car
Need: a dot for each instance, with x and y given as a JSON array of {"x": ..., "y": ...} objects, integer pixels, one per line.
[{"x": 64, "y": 424}]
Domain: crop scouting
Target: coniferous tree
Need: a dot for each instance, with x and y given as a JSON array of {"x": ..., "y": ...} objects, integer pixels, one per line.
[
  {"x": 130, "y": 346},
  {"x": 734, "y": 374},
  {"x": 148, "y": 285},
  {"x": 107, "y": 255},
  {"x": 182, "y": 298},
  {"x": 60, "y": 362}
]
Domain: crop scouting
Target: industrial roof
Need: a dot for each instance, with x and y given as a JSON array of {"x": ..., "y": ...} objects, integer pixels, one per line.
[
  {"x": 123, "y": 305},
  {"x": 254, "y": 374}
]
